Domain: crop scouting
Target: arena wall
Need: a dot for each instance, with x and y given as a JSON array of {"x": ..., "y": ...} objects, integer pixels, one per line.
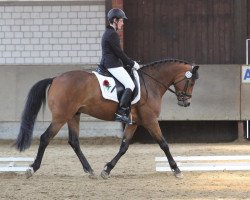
[
  {"x": 216, "y": 96},
  {"x": 16, "y": 81},
  {"x": 51, "y": 32},
  {"x": 41, "y": 39}
]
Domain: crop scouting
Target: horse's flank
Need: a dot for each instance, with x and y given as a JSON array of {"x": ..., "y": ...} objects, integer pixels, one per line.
[{"x": 80, "y": 94}]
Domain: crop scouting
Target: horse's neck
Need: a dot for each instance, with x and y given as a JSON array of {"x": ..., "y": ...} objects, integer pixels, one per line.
[{"x": 160, "y": 77}]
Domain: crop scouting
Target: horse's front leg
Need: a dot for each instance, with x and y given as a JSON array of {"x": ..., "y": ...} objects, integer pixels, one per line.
[
  {"x": 155, "y": 131},
  {"x": 128, "y": 134}
]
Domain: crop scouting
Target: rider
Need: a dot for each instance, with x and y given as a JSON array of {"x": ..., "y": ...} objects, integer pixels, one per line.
[{"x": 113, "y": 59}]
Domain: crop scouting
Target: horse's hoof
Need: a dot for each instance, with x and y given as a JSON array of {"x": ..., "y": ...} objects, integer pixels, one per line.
[
  {"x": 178, "y": 175},
  {"x": 29, "y": 172},
  {"x": 104, "y": 174},
  {"x": 92, "y": 175}
]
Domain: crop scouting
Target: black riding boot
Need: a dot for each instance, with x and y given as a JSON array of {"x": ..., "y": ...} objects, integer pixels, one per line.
[{"x": 122, "y": 115}]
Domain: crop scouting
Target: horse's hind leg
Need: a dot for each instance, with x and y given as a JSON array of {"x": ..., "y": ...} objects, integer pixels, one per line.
[
  {"x": 73, "y": 126},
  {"x": 128, "y": 134},
  {"x": 155, "y": 132},
  {"x": 45, "y": 138}
]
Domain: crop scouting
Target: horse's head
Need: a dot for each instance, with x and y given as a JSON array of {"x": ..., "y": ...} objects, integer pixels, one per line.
[{"x": 184, "y": 86}]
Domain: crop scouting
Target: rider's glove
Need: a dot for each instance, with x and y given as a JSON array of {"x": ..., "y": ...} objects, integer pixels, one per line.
[{"x": 136, "y": 65}]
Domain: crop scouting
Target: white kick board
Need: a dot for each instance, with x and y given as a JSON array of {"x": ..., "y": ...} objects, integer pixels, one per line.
[
  {"x": 15, "y": 164},
  {"x": 206, "y": 163}
]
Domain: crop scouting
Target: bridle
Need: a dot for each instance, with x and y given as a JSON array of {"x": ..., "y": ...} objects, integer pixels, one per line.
[{"x": 182, "y": 95}]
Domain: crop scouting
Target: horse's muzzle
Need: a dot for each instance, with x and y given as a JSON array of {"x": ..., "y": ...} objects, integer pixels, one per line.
[
  {"x": 184, "y": 103},
  {"x": 184, "y": 99}
]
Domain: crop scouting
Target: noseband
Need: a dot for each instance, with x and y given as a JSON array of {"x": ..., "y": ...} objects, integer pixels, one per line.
[{"x": 183, "y": 95}]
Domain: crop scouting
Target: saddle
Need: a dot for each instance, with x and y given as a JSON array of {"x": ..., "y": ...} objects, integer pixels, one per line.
[{"x": 112, "y": 89}]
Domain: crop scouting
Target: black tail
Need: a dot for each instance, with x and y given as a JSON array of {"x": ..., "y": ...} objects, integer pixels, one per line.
[{"x": 35, "y": 99}]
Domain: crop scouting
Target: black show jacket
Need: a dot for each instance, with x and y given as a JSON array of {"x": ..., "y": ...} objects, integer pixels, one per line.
[{"x": 112, "y": 54}]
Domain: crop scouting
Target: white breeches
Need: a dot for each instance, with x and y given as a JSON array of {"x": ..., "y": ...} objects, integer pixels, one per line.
[{"x": 122, "y": 76}]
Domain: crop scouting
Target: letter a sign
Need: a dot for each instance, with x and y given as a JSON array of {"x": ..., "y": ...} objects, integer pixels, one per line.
[{"x": 246, "y": 74}]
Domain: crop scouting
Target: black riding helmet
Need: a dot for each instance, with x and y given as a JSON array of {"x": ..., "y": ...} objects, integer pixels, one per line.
[{"x": 116, "y": 13}]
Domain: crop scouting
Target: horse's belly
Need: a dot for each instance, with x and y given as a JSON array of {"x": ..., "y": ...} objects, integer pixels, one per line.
[{"x": 100, "y": 109}]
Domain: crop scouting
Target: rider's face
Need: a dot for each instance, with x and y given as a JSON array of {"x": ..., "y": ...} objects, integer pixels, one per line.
[{"x": 119, "y": 24}]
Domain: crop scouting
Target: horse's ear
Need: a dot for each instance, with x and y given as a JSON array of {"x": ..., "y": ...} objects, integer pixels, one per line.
[
  {"x": 195, "y": 68},
  {"x": 195, "y": 72}
]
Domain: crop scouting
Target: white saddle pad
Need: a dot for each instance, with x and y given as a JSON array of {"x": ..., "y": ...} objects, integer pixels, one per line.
[{"x": 107, "y": 85}]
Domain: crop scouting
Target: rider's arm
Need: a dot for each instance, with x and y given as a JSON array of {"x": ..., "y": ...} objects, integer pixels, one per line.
[{"x": 116, "y": 47}]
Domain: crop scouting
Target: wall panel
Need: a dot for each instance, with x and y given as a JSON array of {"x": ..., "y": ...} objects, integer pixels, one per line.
[{"x": 203, "y": 31}]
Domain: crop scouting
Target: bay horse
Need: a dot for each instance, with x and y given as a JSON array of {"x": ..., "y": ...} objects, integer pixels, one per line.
[{"x": 76, "y": 92}]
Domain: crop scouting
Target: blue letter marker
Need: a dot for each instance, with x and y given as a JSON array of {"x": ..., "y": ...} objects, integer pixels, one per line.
[{"x": 247, "y": 74}]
